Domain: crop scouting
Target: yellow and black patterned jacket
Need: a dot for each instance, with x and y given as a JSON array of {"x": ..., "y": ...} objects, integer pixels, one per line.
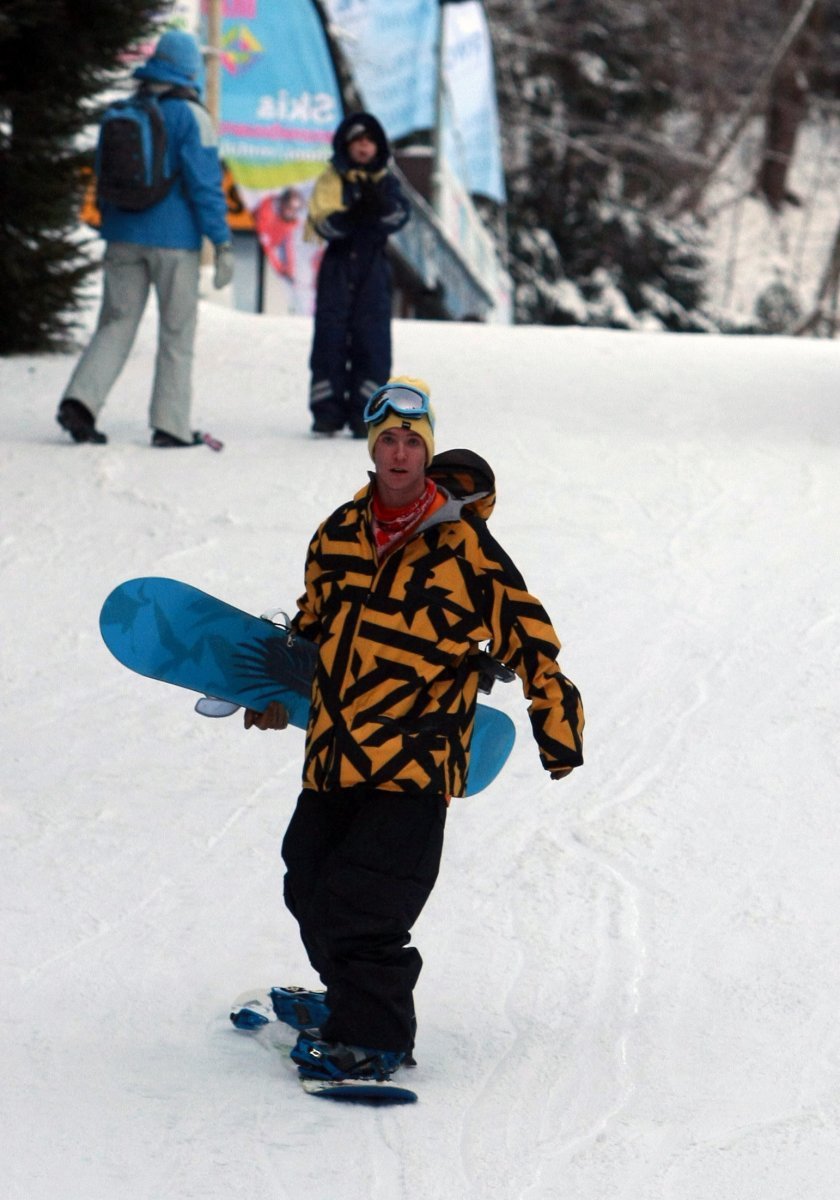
[{"x": 394, "y": 694}]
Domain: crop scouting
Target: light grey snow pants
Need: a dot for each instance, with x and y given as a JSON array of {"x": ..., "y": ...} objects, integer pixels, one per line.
[{"x": 130, "y": 271}]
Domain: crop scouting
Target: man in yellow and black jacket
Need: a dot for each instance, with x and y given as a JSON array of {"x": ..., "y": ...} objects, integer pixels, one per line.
[{"x": 404, "y": 585}]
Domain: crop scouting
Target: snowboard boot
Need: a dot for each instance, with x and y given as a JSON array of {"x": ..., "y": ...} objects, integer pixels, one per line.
[
  {"x": 78, "y": 420},
  {"x": 302, "y": 1009},
  {"x": 333, "y": 1060},
  {"x": 295, "y": 1006}
]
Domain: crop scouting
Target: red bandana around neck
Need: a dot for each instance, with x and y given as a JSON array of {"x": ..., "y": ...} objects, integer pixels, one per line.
[{"x": 391, "y": 526}]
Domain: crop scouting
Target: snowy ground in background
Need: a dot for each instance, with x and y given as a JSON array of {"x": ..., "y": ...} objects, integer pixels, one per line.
[{"x": 631, "y": 977}]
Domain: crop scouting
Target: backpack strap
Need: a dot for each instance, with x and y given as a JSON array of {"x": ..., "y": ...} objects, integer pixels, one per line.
[{"x": 177, "y": 91}]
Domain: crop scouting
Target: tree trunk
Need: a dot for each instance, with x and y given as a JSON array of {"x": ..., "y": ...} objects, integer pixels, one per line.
[
  {"x": 787, "y": 107},
  {"x": 824, "y": 315}
]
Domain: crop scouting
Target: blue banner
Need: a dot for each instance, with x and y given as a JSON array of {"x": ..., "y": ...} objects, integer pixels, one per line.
[{"x": 471, "y": 141}]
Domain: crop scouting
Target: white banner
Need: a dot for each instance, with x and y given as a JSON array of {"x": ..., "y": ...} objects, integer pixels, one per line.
[
  {"x": 471, "y": 122},
  {"x": 391, "y": 48}
]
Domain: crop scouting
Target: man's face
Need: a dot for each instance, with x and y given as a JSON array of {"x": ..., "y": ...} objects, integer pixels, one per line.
[
  {"x": 362, "y": 150},
  {"x": 399, "y": 456}
]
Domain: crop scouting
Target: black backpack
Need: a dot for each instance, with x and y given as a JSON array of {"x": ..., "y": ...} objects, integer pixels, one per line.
[{"x": 132, "y": 162}]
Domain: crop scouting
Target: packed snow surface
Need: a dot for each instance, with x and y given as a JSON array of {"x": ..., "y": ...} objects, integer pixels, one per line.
[{"x": 631, "y": 976}]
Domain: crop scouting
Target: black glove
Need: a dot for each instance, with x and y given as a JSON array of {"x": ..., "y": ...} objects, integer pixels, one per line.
[
  {"x": 370, "y": 202},
  {"x": 489, "y": 670}
]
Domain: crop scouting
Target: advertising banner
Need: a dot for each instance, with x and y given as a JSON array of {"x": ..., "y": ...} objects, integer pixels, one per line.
[
  {"x": 280, "y": 96},
  {"x": 471, "y": 140},
  {"x": 280, "y": 105},
  {"x": 391, "y": 48}
]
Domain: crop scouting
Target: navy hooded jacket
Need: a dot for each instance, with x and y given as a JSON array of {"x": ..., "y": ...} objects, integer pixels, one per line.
[{"x": 354, "y": 281}]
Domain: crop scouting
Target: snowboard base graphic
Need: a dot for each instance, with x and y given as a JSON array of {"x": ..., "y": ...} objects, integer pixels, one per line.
[{"x": 175, "y": 633}]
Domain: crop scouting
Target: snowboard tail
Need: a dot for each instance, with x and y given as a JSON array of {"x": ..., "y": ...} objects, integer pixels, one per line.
[
  {"x": 359, "y": 1091},
  {"x": 175, "y": 633}
]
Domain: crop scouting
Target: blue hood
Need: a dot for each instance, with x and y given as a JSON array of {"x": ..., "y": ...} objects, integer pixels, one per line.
[{"x": 176, "y": 59}]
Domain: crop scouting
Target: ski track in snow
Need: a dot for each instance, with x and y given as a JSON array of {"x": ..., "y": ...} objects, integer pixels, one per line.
[{"x": 631, "y": 976}]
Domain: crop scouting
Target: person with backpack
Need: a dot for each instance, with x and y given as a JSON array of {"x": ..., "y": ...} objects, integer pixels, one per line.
[
  {"x": 159, "y": 191},
  {"x": 356, "y": 204},
  {"x": 404, "y": 585}
]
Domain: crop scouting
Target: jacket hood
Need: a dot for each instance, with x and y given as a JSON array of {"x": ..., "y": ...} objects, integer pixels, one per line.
[
  {"x": 176, "y": 60},
  {"x": 467, "y": 478},
  {"x": 340, "y": 157}
]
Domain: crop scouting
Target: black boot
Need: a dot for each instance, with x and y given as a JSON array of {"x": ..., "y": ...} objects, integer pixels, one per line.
[
  {"x": 78, "y": 420},
  {"x": 163, "y": 439},
  {"x": 323, "y": 427}
]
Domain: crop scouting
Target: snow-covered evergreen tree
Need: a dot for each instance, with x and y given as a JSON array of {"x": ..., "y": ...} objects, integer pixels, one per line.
[
  {"x": 54, "y": 60},
  {"x": 586, "y": 91},
  {"x": 615, "y": 115}
]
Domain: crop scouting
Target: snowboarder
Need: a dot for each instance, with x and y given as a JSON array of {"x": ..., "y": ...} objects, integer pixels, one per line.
[
  {"x": 403, "y": 584},
  {"x": 356, "y": 204},
  {"x": 158, "y": 246}
]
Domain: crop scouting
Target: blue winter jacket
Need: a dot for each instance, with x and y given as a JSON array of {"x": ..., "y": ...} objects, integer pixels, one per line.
[{"x": 195, "y": 205}]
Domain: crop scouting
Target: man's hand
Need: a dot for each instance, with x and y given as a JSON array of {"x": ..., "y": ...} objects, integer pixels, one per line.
[
  {"x": 276, "y": 716},
  {"x": 224, "y": 265}
]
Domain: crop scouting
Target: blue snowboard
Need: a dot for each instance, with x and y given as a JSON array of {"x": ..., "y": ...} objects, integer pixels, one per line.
[
  {"x": 175, "y": 633},
  {"x": 360, "y": 1091}
]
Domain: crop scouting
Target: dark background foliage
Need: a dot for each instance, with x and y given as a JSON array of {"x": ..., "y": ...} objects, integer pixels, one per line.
[
  {"x": 612, "y": 115},
  {"x": 55, "y": 59}
]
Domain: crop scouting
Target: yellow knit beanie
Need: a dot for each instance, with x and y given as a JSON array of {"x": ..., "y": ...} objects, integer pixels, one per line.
[{"x": 422, "y": 425}]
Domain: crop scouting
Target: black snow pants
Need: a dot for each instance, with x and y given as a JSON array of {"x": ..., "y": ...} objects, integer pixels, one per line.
[{"x": 360, "y": 865}]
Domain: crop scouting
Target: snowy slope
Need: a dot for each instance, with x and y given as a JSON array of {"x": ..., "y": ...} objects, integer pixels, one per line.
[{"x": 631, "y": 976}]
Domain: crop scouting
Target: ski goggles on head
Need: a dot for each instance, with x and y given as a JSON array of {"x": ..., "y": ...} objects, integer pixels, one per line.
[{"x": 399, "y": 398}]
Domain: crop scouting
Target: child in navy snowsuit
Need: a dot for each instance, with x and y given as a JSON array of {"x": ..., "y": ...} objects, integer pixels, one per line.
[{"x": 356, "y": 204}]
